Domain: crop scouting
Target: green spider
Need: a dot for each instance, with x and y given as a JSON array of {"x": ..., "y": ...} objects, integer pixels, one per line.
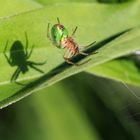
[{"x": 61, "y": 39}]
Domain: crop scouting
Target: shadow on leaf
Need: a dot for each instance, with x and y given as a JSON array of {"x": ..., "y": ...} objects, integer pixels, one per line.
[
  {"x": 49, "y": 77},
  {"x": 19, "y": 57}
]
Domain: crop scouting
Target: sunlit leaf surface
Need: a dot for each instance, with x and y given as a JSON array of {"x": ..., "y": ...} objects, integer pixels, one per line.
[{"x": 29, "y": 29}]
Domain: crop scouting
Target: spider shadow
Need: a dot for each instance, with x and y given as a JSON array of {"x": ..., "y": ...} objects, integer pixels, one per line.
[
  {"x": 62, "y": 67},
  {"x": 19, "y": 57}
]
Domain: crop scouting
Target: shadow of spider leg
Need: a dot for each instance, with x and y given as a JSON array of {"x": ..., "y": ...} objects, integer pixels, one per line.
[
  {"x": 6, "y": 56},
  {"x": 17, "y": 71},
  {"x": 28, "y": 54},
  {"x": 15, "y": 75},
  {"x": 34, "y": 64}
]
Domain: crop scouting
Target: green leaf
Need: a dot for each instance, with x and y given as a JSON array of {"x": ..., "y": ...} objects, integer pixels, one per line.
[
  {"x": 32, "y": 26},
  {"x": 113, "y": 1},
  {"x": 8, "y": 8},
  {"x": 44, "y": 2},
  {"x": 56, "y": 116},
  {"x": 76, "y": 108},
  {"x": 123, "y": 69},
  {"x": 61, "y": 1}
]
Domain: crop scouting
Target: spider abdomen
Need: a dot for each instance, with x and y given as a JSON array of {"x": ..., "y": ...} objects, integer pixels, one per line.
[{"x": 59, "y": 33}]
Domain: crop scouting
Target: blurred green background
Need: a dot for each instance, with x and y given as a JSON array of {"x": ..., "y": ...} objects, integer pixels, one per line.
[{"x": 81, "y": 107}]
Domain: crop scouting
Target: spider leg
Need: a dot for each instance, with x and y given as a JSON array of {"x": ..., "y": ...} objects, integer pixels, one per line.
[
  {"x": 48, "y": 33},
  {"x": 72, "y": 63},
  {"x": 74, "y": 31},
  {"x": 67, "y": 56},
  {"x": 86, "y": 54},
  {"x": 88, "y": 45},
  {"x": 68, "y": 60},
  {"x": 58, "y": 20},
  {"x": 6, "y": 56},
  {"x": 15, "y": 75},
  {"x": 82, "y": 53}
]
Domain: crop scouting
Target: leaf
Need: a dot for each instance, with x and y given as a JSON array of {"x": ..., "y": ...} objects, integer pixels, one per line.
[
  {"x": 44, "y": 2},
  {"x": 113, "y": 1},
  {"x": 123, "y": 69},
  {"x": 75, "y": 108},
  {"x": 8, "y": 8},
  {"x": 47, "y": 116},
  {"x": 30, "y": 28}
]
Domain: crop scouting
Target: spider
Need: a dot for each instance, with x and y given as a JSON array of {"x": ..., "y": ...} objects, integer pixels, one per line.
[{"x": 61, "y": 39}]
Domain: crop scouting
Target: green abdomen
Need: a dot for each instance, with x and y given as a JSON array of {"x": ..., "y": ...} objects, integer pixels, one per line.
[{"x": 58, "y": 35}]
